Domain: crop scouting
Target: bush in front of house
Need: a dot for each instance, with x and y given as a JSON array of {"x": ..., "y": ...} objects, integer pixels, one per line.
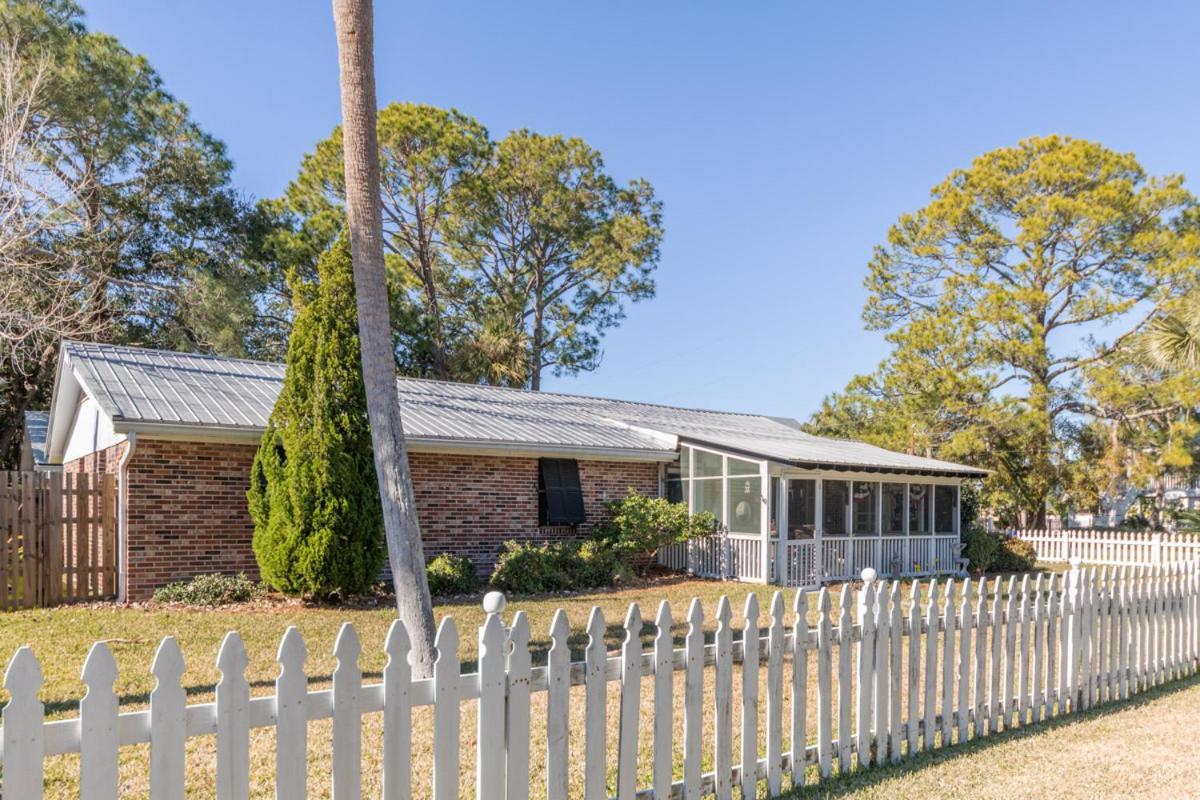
[
  {"x": 210, "y": 590},
  {"x": 981, "y": 547},
  {"x": 450, "y": 574},
  {"x": 1013, "y": 555},
  {"x": 314, "y": 500},
  {"x": 538, "y": 568},
  {"x": 639, "y": 526}
]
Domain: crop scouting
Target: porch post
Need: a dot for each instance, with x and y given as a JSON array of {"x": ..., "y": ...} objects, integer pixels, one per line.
[
  {"x": 764, "y": 520},
  {"x": 781, "y": 507},
  {"x": 819, "y": 526}
]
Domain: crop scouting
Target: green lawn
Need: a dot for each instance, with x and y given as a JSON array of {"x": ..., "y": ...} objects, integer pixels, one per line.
[{"x": 1144, "y": 747}]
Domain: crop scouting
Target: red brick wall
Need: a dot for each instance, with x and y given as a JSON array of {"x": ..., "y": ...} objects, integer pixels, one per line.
[
  {"x": 470, "y": 505},
  {"x": 187, "y": 506},
  {"x": 187, "y": 513}
]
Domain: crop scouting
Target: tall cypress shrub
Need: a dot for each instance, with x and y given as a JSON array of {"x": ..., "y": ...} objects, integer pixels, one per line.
[{"x": 314, "y": 500}]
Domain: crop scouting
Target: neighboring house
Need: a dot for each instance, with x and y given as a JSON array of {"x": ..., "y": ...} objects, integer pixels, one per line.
[
  {"x": 488, "y": 464},
  {"x": 33, "y": 442}
]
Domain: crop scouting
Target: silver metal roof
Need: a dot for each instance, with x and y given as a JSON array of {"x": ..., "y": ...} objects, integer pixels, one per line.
[
  {"x": 36, "y": 423},
  {"x": 152, "y": 387}
]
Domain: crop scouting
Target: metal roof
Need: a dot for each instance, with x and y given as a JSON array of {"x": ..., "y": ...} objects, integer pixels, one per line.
[
  {"x": 137, "y": 386},
  {"x": 36, "y": 424}
]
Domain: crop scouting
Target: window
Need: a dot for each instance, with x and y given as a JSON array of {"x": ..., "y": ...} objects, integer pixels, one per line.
[
  {"x": 918, "y": 509},
  {"x": 945, "y": 508},
  {"x": 834, "y": 499},
  {"x": 893, "y": 509},
  {"x": 865, "y": 495},
  {"x": 560, "y": 498}
]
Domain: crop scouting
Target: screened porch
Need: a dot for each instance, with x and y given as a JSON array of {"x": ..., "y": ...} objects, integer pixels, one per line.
[{"x": 798, "y": 526}]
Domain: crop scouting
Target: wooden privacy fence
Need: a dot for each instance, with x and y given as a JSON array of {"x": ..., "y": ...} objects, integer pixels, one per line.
[
  {"x": 58, "y": 538},
  {"x": 1112, "y": 547},
  {"x": 956, "y": 664}
]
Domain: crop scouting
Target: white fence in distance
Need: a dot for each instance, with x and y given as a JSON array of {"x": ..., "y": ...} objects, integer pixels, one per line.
[
  {"x": 1113, "y": 547},
  {"x": 962, "y": 660}
]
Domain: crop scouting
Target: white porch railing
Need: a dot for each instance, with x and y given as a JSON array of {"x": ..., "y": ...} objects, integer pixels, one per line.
[
  {"x": 809, "y": 562},
  {"x": 721, "y": 555}
]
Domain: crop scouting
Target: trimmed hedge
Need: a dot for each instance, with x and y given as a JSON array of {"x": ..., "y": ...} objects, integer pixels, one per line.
[
  {"x": 210, "y": 590},
  {"x": 450, "y": 574},
  {"x": 531, "y": 568}
]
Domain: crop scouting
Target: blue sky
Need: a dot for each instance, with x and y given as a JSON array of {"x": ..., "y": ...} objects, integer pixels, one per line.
[{"x": 782, "y": 142}]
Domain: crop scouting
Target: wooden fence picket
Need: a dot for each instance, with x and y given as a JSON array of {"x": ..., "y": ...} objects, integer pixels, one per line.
[
  {"x": 948, "y": 652},
  {"x": 914, "y": 719},
  {"x": 929, "y": 723},
  {"x": 799, "y": 723},
  {"x": 291, "y": 717},
  {"x": 864, "y": 682},
  {"x": 881, "y": 701},
  {"x": 397, "y": 715},
  {"x": 489, "y": 721},
  {"x": 845, "y": 646},
  {"x": 824, "y": 686},
  {"x": 775, "y": 696},
  {"x": 595, "y": 728},
  {"x": 23, "y": 734},
  {"x": 517, "y": 708},
  {"x": 693, "y": 712},
  {"x": 749, "y": 710},
  {"x": 233, "y": 720},
  {"x": 630, "y": 705},
  {"x": 347, "y": 716},
  {"x": 979, "y": 677},
  {"x": 168, "y": 724},
  {"x": 1024, "y": 612},
  {"x": 723, "y": 711},
  {"x": 446, "y": 715},
  {"x": 664, "y": 687},
  {"x": 558, "y": 694},
  {"x": 964, "y": 625},
  {"x": 99, "y": 740},
  {"x": 1011, "y": 624},
  {"x": 895, "y": 690},
  {"x": 1038, "y": 625},
  {"x": 995, "y": 709},
  {"x": 1052, "y": 639}
]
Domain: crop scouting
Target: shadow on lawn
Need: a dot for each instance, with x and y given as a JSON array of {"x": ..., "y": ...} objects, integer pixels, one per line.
[{"x": 857, "y": 780}]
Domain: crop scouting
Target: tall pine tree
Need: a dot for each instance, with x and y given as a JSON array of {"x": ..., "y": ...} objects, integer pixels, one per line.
[{"x": 314, "y": 499}]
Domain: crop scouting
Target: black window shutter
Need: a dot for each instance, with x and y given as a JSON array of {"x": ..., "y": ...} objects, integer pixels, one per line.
[{"x": 560, "y": 497}]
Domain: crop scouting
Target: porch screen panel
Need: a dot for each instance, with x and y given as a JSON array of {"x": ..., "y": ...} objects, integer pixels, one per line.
[
  {"x": 745, "y": 504},
  {"x": 865, "y": 498},
  {"x": 945, "y": 505},
  {"x": 801, "y": 508},
  {"x": 919, "y": 496},
  {"x": 893, "y": 509},
  {"x": 834, "y": 499},
  {"x": 706, "y": 496}
]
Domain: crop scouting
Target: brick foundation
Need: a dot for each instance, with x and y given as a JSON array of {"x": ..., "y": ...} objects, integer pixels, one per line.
[{"x": 187, "y": 506}]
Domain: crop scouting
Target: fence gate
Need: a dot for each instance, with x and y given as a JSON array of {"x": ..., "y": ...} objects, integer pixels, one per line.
[{"x": 58, "y": 538}]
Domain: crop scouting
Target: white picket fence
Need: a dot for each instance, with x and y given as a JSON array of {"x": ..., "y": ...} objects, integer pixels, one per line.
[
  {"x": 952, "y": 664},
  {"x": 1113, "y": 547}
]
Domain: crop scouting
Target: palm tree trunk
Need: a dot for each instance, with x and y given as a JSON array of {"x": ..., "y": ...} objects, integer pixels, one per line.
[{"x": 352, "y": 19}]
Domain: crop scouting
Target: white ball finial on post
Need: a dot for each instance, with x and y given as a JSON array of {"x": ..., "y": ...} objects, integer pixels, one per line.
[{"x": 494, "y": 603}]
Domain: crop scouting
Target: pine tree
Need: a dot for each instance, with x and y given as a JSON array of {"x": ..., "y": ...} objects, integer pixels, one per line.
[{"x": 314, "y": 498}]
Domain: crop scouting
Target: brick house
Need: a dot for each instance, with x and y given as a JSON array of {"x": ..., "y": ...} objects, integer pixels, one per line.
[{"x": 488, "y": 464}]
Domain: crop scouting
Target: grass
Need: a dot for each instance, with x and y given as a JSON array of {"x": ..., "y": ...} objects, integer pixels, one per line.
[
  {"x": 61, "y": 638},
  {"x": 1138, "y": 748}
]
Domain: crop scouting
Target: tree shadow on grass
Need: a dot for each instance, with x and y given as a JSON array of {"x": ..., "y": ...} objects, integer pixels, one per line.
[{"x": 857, "y": 780}]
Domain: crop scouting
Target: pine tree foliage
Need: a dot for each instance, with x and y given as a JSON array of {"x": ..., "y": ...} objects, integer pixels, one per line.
[{"x": 314, "y": 499}]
